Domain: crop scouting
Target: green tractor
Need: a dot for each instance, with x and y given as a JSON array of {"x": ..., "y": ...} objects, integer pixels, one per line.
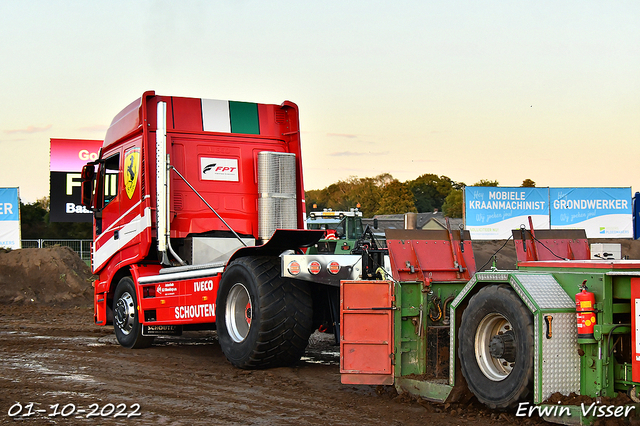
[{"x": 342, "y": 230}]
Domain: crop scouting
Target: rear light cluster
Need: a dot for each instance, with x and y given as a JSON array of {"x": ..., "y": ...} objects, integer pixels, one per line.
[
  {"x": 149, "y": 291},
  {"x": 294, "y": 268},
  {"x": 314, "y": 267}
]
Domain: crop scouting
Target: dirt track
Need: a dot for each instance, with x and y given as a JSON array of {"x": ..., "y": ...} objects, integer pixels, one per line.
[{"x": 52, "y": 355}]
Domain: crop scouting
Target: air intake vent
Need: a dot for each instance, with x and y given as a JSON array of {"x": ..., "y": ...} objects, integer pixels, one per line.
[
  {"x": 177, "y": 201},
  {"x": 281, "y": 116},
  {"x": 277, "y": 193}
]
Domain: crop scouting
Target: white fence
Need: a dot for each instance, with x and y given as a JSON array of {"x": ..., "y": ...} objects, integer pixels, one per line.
[{"x": 82, "y": 247}]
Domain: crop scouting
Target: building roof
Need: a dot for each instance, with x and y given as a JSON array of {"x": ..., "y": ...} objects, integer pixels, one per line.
[{"x": 434, "y": 220}]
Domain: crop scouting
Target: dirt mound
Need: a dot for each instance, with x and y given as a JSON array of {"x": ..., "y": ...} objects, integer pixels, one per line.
[{"x": 46, "y": 276}]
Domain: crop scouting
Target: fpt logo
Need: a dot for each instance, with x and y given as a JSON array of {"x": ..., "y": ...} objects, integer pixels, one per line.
[
  {"x": 208, "y": 168},
  {"x": 131, "y": 170},
  {"x": 225, "y": 169}
]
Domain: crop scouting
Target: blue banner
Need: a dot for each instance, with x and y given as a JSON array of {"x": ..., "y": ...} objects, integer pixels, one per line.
[
  {"x": 9, "y": 205},
  {"x": 601, "y": 212},
  {"x": 492, "y": 212},
  {"x": 10, "y": 218}
]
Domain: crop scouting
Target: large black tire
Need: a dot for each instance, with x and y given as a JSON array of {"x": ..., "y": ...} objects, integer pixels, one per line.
[
  {"x": 263, "y": 320},
  {"x": 496, "y": 347},
  {"x": 125, "y": 317}
]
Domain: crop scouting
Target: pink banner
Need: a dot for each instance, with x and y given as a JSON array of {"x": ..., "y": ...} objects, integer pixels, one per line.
[{"x": 69, "y": 155}]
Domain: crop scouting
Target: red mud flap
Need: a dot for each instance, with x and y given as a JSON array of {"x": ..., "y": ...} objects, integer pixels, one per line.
[
  {"x": 366, "y": 340},
  {"x": 100, "y": 308}
]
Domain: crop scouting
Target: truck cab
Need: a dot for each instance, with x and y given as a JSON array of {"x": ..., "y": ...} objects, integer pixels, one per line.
[{"x": 196, "y": 202}]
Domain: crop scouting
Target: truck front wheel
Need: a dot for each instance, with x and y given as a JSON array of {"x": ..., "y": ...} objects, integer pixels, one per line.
[
  {"x": 263, "y": 320},
  {"x": 125, "y": 317},
  {"x": 496, "y": 347}
]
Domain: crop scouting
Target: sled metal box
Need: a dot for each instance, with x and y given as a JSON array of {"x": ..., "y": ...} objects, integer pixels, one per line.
[
  {"x": 606, "y": 251},
  {"x": 366, "y": 332}
]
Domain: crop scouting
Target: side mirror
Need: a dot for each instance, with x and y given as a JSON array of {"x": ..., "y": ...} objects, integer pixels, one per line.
[
  {"x": 86, "y": 187},
  {"x": 375, "y": 223}
]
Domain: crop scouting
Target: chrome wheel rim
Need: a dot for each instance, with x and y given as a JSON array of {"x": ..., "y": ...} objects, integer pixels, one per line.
[
  {"x": 494, "y": 368},
  {"x": 125, "y": 313},
  {"x": 238, "y": 313}
]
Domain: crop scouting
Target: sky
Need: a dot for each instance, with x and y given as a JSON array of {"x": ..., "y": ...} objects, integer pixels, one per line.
[{"x": 495, "y": 90}]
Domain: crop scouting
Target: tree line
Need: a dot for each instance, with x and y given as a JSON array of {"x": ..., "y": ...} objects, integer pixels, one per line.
[
  {"x": 35, "y": 224},
  {"x": 384, "y": 194}
]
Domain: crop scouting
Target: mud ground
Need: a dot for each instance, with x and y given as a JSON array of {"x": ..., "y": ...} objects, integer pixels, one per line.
[{"x": 54, "y": 355}]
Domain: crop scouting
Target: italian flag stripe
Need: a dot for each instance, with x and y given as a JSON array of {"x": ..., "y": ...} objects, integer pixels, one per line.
[
  {"x": 230, "y": 117},
  {"x": 244, "y": 118}
]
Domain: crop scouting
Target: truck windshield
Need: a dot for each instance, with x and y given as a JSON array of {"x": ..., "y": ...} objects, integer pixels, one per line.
[
  {"x": 348, "y": 227},
  {"x": 111, "y": 168}
]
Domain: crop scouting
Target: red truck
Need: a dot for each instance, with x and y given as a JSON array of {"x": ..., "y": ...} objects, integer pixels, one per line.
[{"x": 198, "y": 224}]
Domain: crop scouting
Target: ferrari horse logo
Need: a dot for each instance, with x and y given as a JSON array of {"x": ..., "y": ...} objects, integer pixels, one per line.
[{"x": 131, "y": 169}]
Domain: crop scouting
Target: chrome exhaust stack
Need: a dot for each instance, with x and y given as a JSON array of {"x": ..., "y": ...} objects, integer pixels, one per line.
[{"x": 276, "y": 193}]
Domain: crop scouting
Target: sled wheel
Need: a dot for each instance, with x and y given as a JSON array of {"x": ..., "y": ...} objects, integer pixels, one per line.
[
  {"x": 263, "y": 320},
  {"x": 496, "y": 347},
  {"x": 125, "y": 317}
]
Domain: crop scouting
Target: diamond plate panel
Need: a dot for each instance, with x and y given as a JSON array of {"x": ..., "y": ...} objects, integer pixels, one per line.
[
  {"x": 545, "y": 291},
  {"x": 523, "y": 296},
  {"x": 560, "y": 359},
  {"x": 492, "y": 277},
  {"x": 463, "y": 292}
]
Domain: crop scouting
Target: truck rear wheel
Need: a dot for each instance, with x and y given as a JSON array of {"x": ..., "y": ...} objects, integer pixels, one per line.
[
  {"x": 496, "y": 347},
  {"x": 263, "y": 320},
  {"x": 125, "y": 317}
]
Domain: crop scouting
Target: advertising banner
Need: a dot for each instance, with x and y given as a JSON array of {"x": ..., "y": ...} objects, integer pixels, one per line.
[
  {"x": 491, "y": 212},
  {"x": 10, "y": 218},
  {"x": 68, "y": 156},
  {"x": 601, "y": 212}
]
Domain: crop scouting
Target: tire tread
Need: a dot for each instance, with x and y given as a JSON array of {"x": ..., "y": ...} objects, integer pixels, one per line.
[
  {"x": 485, "y": 393},
  {"x": 286, "y": 316}
]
